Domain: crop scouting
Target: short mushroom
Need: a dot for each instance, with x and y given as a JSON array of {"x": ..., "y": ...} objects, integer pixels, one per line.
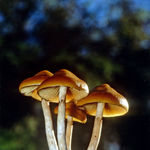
[
  {"x": 102, "y": 101},
  {"x": 28, "y": 87},
  {"x": 62, "y": 87},
  {"x": 73, "y": 113}
]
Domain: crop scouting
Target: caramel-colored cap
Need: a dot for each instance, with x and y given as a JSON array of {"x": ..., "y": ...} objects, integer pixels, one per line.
[
  {"x": 115, "y": 103},
  {"x": 72, "y": 110},
  {"x": 76, "y": 90},
  {"x": 28, "y": 86}
]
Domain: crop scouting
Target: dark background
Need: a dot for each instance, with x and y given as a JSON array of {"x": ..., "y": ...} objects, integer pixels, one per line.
[{"x": 99, "y": 41}]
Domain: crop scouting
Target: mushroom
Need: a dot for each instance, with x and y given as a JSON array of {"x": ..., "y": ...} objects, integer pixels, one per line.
[
  {"x": 102, "y": 101},
  {"x": 62, "y": 87},
  {"x": 73, "y": 113},
  {"x": 28, "y": 87}
]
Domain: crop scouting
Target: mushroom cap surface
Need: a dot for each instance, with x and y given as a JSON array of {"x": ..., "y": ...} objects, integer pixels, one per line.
[
  {"x": 76, "y": 88},
  {"x": 28, "y": 86},
  {"x": 115, "y": 103},
  {"x": 78, "y": 114}
]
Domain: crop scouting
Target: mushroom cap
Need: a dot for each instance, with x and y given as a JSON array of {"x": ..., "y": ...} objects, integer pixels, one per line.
[
  {"x": 76, "y": 90},
  {"x": 115, "y": 103},
  {"x": 78, "y": 114},
  {"x": 28, "y": 86}
]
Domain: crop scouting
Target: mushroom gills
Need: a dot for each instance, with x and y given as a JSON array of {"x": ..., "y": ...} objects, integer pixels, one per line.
[
  {"x": 52, "y": 94},
  {"x": 28, "y": 90},
  {"x": 110, "y": 110}
]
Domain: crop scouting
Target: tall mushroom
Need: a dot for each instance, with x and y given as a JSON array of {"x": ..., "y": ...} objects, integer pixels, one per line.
[
  {"x": 102, "y": 101},
  {"x": 28, "y": 87},
  {"x": 62, "y": 87},
  {"x": 73, "y": 113}
]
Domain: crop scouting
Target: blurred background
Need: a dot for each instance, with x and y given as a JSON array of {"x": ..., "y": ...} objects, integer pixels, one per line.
[{"x": 101, "y": 41}]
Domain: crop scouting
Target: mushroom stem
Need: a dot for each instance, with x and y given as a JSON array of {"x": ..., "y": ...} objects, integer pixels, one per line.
[
  {"x": 69, "y": 131},
  {"x": 97, "y": 128},
  {"x": 61, "y": 119},
  {"x": 52, "y": 144}
]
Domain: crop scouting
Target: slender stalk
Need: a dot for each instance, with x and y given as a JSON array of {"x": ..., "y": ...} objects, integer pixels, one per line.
[
  {"x": 69, "y": 131},
  {"x": 61, "y": 119},
  {"x": 95, "y": 138},
  {"x": 52, "y": 144}
]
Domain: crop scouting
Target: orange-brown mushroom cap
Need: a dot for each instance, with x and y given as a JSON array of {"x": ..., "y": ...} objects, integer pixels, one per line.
[
  {"x": 76, "y": 88},
  {"x": 72, "y": 110},
  {"x": 115, "y": 103},
  {"x": 28, "y": 86}
]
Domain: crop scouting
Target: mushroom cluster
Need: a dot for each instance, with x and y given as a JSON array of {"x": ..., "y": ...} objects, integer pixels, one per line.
[{"x": 74, "y": 104}]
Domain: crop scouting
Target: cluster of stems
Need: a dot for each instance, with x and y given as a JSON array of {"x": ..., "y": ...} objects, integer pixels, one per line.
[{"x": 65, "y": 137}]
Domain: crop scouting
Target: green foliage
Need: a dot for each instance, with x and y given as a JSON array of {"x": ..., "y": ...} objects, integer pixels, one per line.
[{"x": 21, "y": 136}]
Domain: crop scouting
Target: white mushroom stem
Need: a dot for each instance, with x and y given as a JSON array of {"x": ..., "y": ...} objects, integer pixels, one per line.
[
  {"x": 69, "y": 131},
  {"x": 61, "y": 119},
  {"x": 97, "y": 128},
  {"x": 52, "y": 144}
]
